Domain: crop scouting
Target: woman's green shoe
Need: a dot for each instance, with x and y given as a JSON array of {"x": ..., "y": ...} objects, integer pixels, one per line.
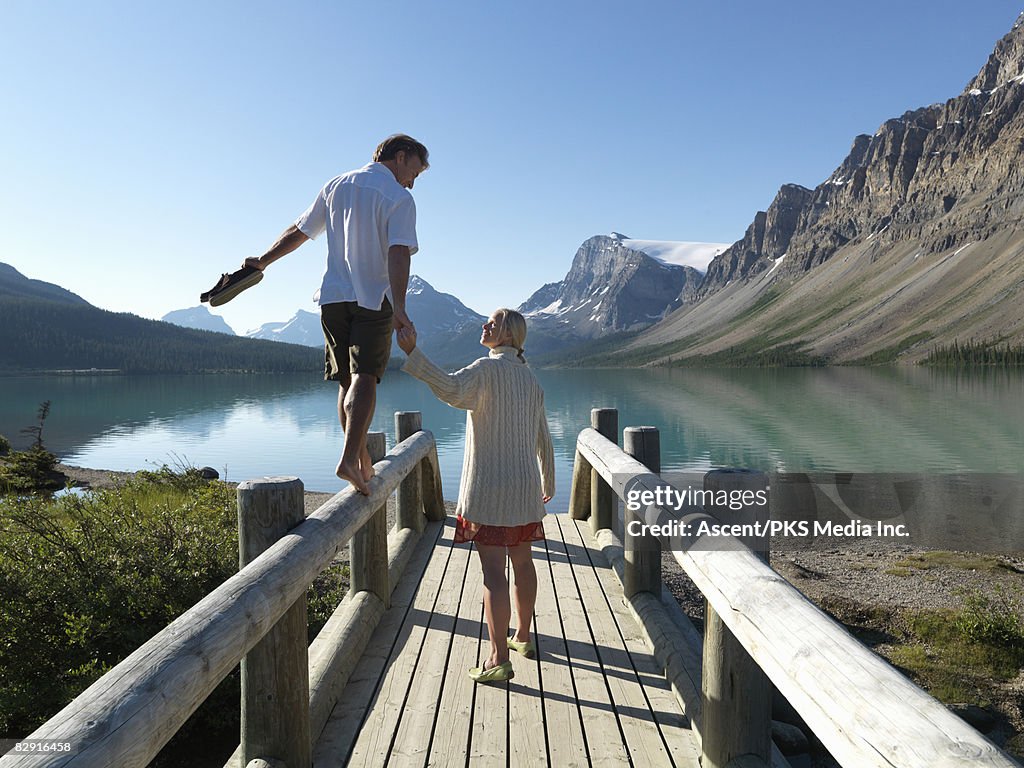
[
  {"x": 527, "y": 649},
  {"x": 494, "y": 674}
]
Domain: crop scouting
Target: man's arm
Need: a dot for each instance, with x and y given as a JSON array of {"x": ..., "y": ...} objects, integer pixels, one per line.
[
  {"x": 399, "y": 260},
  {"x": 289, "y": 240}
]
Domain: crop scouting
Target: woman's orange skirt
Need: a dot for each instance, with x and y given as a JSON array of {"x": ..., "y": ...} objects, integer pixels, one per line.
[{"x": 497, "y": 535}]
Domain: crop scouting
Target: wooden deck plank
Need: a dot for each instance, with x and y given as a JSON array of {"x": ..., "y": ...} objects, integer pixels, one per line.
[
  {"x": 340, "y": 733},
  {"x": 488, "y": 744},
  {"x": 566, "y": 743},
  {"x": 575, "y": 705},
  {"x": 600, "y": 722},
  {"x": 412, "y": 740},
  {"x": 526, "y": 717},
  {"x": 455, "y": 712},
  {"x": 641, "y": 732},
  {"x": 602, "y": 592},
  {"x": 395, "y": 656}
]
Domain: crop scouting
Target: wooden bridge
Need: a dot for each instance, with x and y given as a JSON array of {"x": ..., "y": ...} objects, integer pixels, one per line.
[{"x": 621, "y": 677}]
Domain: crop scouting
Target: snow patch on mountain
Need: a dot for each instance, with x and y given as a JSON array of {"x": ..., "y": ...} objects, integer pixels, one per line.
[{"x": 678, "y": 253}]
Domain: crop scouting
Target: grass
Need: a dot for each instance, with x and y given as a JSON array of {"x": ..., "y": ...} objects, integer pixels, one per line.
[
  {"x": 605, "y": 353},
  {"x": 966, "y": 561},
  {"x": 757, "y": 353},
  {"x": 957, "y": 654},
  {"x": 891, "y": 354},
  {"x": 970, "y": 654}
]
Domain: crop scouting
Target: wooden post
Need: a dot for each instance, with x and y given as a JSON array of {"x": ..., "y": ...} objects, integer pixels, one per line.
[
  {"x": 603, "y": 501},
  {"x": 368, "y": 552},
  {"x": 430, "y": 482},
  {"x": 409, "y": 506},
  {"x": 737, "y": 695},
  {"x": 579, "y": 492},
  {"x": 642, "y": 554},
  {"x": 275, "y": 673}
]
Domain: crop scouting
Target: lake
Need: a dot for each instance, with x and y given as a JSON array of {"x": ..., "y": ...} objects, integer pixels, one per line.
[{"x": 863, "y": 420}]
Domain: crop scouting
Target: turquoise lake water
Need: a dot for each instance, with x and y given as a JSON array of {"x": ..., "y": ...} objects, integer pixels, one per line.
[{"x": 788, "y": 420}]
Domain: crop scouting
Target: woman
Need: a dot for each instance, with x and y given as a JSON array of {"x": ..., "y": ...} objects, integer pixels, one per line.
[{"x": 502, "y": 493}]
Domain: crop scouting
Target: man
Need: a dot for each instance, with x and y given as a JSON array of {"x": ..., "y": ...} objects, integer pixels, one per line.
[{"x": 370, "y": 219}]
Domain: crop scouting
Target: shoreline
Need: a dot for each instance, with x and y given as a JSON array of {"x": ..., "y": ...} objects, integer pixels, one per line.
[{"x": 871, "y": 569}]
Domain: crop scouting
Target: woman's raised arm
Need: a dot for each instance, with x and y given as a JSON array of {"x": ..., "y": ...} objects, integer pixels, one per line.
[{"x": 460, "y": 389}]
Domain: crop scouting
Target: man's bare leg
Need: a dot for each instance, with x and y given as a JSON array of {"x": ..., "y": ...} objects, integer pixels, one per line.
[
  {"x": 356, "y": 412},
  {"x": 365, "y": 462}
]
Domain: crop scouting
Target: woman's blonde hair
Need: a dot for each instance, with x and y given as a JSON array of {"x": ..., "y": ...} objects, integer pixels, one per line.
[{"x": 515, "y": 324}]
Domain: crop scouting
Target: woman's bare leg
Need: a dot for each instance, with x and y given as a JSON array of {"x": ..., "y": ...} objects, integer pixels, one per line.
[
  {"x": 497, "y": 609},
  {"x": 525, "y": 589}
]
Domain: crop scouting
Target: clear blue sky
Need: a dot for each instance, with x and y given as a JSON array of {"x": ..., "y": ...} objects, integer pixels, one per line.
[{"x": 146, "y": 147}]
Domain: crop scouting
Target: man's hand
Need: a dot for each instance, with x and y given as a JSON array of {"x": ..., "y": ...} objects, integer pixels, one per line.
[
  {"x": 287, "y": 242},
  {"x": 407, "y": 339},
  {"x": 401, "y": 320},
  {"x": 546, "y": 499}
]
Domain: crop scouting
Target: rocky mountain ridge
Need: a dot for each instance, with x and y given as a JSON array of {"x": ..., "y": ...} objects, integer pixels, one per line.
[
  {"x": 448, "y": 329},
  {"x": 301, "y": 328},
  {"x": 200, "y": 318},
  {"x": 610, "y": 288},
  {"x": 916, "y": 235}
]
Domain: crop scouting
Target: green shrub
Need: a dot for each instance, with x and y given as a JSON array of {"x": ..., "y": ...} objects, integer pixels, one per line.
[
  {"x": 995, "y": 620},
  {"x": 88, "y": 579},
  {"x": 32, "y": 470},
  {"x": 28, "y": 471}
]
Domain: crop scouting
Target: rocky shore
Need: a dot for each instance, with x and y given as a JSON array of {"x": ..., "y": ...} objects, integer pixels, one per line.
[{"x": 880, "y": 591}]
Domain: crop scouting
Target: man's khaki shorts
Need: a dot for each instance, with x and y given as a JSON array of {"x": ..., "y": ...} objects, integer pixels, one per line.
[{"x": 361, "y": 335}]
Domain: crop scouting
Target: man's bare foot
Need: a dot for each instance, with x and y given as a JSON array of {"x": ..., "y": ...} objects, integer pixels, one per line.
[{"x": 354, "y": 476}]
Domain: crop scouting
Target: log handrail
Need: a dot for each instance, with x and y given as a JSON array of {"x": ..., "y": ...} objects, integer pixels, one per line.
[
  {"x": 130, "y": 713},
  {"x": 865, "y": 712}
]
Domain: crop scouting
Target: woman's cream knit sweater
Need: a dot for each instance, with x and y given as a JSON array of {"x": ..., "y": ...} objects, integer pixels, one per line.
[{"x": 509, "y": 463}]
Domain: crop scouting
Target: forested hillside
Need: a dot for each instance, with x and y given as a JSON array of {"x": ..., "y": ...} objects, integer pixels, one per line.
[
  {"x": 13, "y": 284},
  {"x": 41, "y": 335}
]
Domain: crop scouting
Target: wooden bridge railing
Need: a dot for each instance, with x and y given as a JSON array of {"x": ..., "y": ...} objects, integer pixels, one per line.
[
  {"x": 129, "y": 714},
  {"x": 864, "y": 712}
]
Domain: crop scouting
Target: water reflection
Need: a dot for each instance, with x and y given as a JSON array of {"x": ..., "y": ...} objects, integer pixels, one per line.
[{"x": 815, "y": 420}]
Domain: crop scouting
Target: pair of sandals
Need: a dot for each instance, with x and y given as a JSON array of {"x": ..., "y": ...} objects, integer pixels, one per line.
[
  {"x": 230, "y": 285},
  {"x": 502, "y": 672}
]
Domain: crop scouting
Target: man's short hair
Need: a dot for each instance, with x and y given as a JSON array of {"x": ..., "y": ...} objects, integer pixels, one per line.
[{"x": 399, "y": 142}]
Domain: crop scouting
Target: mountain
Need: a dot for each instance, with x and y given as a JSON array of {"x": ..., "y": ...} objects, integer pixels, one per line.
[
  {"x": 15, "y": 284},
  {"x": 615, "y": 285},
  {"x": 44, "y": 327},
  {"x": 199, "y": 318},
  {"x": 437, "y": 313},
  {"x": 303, "y": 328},
  {"x": 914, "y": 241},
  {"x": 449, "y": 332}
]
